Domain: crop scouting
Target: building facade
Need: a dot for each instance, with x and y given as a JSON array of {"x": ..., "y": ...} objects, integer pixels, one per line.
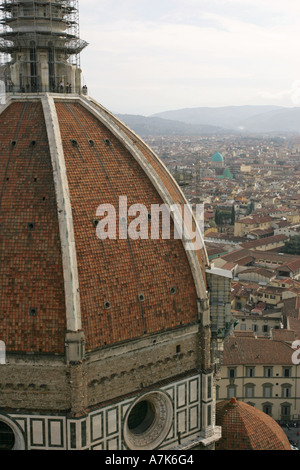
[
  {"x": 261, "y": 372},
  {"x": 259, "y": 324},
  {"x": 246, "y": 225}
]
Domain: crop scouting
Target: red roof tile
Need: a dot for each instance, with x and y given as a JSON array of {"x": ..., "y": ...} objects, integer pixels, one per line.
[
  {"x": 243, "y": 350},
  {"x": 117, "y": 271},
  {"x": 32, "y": 302}
]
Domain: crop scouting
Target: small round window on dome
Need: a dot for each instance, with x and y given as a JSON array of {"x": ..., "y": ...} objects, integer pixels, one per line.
[
  {"x": 141, "y": 297},
  {"x": 107, "y": 305}
]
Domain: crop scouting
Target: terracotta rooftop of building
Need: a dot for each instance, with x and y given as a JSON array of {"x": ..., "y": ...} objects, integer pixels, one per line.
[
  {"x": 247, "y": 428},
  {"x": 291, "y": 266},
  {"x": 281, "y": 334},
  {"x": 261, "y": 232},
  {"x": 255, "y": 219},
  {"x": 261, "y": 271},
  {"x": 274, "y": 258},
  {"x": 294, "y": 325},
  {"x": 255, "y": 350},
  {"x": 264, "y": 241}
]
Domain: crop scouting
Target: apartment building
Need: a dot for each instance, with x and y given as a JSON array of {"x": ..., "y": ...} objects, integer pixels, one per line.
[
  {"x": 259, "y": 323},
  {"x": 261, "y": 372},
  {"x": 246, "y": 225}
]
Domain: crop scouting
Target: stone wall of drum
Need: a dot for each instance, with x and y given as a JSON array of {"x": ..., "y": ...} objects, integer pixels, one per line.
[{"x": 103, "y": 429}]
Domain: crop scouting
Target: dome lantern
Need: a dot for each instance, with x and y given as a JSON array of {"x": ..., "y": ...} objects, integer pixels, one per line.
[{"x": 40, "y": 45}]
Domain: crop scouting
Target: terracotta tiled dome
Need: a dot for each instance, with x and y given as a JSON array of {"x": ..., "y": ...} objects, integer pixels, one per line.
[
  {"x": 247, "y": 428},
  {"x": 60, "y": 159}
]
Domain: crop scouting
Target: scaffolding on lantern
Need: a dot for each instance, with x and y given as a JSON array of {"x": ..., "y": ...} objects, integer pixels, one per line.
[{"x": 50, "y": 27}]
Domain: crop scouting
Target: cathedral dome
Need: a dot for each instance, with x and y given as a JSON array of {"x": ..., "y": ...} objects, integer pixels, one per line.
[
  {"x": 60, "y": 159},
  {"x": 247, "y": 428}
]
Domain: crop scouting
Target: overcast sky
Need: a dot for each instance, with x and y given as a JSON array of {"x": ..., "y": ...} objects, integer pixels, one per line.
[{"x": 150, "y": 56}]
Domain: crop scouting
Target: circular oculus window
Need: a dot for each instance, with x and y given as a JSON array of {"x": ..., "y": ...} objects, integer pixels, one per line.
[
  {"x": 11, "y": 436},
  {"x": 148, "y": 421},
  {"x": 7, "y": 437}
]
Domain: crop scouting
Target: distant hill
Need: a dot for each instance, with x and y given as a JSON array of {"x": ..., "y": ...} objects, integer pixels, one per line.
[
  {"x": 240, "y": 118},
  {"x": 278, "y": 120},
  {"x": 145, "y": 126}
]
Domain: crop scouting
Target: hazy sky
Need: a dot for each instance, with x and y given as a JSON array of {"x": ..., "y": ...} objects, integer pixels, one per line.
[{"x": 150, "y": 56}]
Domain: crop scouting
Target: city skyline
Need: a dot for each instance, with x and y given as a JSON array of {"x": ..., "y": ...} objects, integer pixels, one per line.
[{"x": 146, "y": 58}]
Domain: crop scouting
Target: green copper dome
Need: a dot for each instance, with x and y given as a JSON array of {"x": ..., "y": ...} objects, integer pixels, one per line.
[
  {"x": 227, "y": 174},
  {"x": 217, "y": 157}
]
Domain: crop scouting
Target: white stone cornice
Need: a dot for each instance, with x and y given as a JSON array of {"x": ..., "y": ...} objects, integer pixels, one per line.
[{"x": 65, "y": 218}]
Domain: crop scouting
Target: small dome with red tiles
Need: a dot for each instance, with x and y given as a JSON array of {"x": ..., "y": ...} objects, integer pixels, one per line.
[{"x": 247, "y": 428}]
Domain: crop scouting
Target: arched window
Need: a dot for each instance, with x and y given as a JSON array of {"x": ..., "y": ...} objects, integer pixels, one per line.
[
  {"x": 249, "y": 390},
  {"x": 267, "y": 408},
  {"x": 231, "y": 391},
  {"x": 286, "y": 411},
  {"x": 286, "y": 390},
  {"x": 267, "y": 390}
]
